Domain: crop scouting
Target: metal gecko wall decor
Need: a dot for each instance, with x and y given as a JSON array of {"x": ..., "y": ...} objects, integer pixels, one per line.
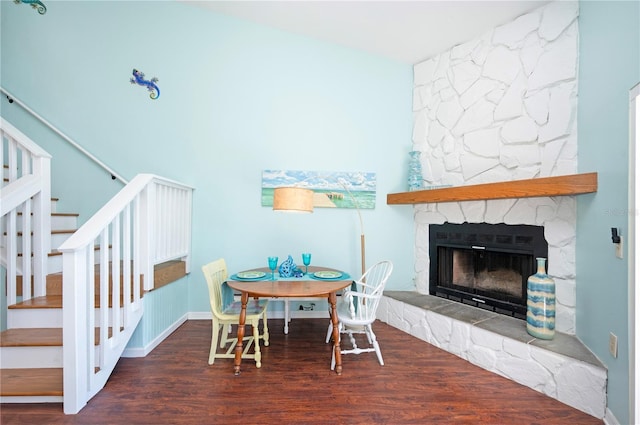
[
  {"x": 138, "y": 78},
  {"x": 36, "y": 4}
]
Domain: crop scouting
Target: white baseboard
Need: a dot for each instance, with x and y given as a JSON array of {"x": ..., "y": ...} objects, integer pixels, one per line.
[
  {"x": 201, "y": 315},
  {"x": 143, "y": 351},
  {"x": 305, "y": 314},
  {"x": 295, "y": 314},
  {"x": 609, "y": 418}
]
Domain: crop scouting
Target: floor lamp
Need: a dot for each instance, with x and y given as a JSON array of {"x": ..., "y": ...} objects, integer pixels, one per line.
[{"x": 298, "y": 199}]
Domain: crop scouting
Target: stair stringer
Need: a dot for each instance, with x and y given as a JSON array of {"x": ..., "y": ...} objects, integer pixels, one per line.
[
  {"x": 112, "y": 355},
  {"x": 82, "y": 379}
]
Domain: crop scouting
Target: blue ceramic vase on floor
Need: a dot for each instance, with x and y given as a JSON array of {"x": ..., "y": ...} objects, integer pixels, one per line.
[{"x": 541, "y": 303}]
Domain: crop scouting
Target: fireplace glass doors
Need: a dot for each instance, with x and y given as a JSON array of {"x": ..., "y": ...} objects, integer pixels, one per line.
[{"x": 485, "y": 265}]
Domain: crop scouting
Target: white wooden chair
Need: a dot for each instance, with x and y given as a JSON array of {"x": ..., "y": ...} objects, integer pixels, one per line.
[
  {"x": 357, "y": 310},
  {"x": 216, "y": 274}
]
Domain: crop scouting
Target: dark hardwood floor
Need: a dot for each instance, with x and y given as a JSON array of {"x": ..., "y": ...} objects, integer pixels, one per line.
[{"x": 419, "y": 384}]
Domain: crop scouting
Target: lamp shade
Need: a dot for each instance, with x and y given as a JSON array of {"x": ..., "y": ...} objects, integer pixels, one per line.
[{"x": 293, "y": 199}]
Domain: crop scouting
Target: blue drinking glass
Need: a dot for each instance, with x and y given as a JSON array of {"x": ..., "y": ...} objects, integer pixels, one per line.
[
  {"x": 273, "y": 263},
  {"x": 306, "y": 260}
]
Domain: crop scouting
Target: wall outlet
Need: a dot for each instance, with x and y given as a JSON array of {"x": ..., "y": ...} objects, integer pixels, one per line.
[
  {"x": 307, "y": 307},
  {"x": 613, "y": 344},
  {"x": 619, "y": 248}
]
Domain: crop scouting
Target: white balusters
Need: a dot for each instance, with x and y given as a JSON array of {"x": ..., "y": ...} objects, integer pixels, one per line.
[{"x": 140, "y": 227}]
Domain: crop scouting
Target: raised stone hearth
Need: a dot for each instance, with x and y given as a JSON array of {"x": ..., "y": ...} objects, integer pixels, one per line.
[{"x": 562, "y": 368}]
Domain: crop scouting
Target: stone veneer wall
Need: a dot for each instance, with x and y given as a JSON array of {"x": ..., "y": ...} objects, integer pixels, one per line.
[{"x": 499, "y": 108}]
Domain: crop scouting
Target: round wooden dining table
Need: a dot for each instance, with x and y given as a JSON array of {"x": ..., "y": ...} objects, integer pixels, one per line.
[{"x": 282, "y": 288}]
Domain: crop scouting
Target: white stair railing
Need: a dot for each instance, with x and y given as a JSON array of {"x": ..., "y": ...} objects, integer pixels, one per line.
[
  {"x": 148, "y": 222},
  {"x": 25, "y": 206}
]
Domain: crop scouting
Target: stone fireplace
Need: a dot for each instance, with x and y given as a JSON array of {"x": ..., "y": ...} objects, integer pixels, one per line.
[
  {"x": 503, "y": 107},
  {"x": 484, "y": 265},
  {"x": 499, "y": 108}
]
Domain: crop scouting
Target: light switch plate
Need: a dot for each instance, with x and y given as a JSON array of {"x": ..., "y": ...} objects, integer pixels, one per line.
[
  {"x": 619, "y": 248},
  {"x": 613, "y": 344}
]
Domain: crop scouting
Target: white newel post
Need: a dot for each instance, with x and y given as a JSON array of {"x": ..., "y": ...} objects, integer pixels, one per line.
[{"x": 75, "y": 334}]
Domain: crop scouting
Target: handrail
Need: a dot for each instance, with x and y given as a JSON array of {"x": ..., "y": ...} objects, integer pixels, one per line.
[
  {"x": 12, "y": 99},
  {"x": 14, "y": 194},
  {"x": 92, "y": 228},
  {"x": 25, "y": 206},
  {"x": 23, "y": 139}
]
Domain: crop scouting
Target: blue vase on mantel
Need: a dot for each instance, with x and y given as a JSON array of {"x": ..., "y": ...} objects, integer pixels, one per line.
[
  {"x": 541, "y": 303},
  {"x": 415, "y": 171}
]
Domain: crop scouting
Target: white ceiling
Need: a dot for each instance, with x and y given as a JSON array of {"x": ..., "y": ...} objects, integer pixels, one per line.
[{"x": 407, "y": 31}]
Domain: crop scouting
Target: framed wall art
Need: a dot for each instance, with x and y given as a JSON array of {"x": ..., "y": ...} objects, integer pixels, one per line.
[{"x": 332, "y": 189}]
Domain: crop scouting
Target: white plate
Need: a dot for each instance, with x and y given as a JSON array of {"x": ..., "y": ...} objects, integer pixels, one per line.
[
  {"x": 254, "y": 274},
  {"x": 327, "y": 274}
]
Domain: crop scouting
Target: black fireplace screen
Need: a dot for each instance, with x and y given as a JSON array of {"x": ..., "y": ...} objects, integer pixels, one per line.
[
  {"x": 484, "y": 272},
  {"x": 485, "y": 265}
]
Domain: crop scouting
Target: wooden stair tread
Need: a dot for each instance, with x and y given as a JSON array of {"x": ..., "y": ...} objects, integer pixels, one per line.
[
  {"x": 53, "y": 232},
  {"x": 55, "y": 252},
  {"x": 47, "y": 301},
  {"x": 39, "y": 337},
  {"x": 62, "y": 231},
  {"x": 31, "y": 382},
  {"x": 168, "y": 272},
  {"x": 58, "y": 214},
  {"x": 54, "y": 301},
  {"x": 31, "y": 337},
  {"x": 164, "y": 274}
]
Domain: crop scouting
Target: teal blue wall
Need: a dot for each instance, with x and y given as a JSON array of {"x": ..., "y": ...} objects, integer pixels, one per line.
[
  {"x": 236, "y": 98},
  {"x": 162, "y": 308},
  {"x": 609, "y": 68}
]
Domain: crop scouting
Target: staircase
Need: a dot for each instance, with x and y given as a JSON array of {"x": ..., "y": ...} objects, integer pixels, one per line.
[
  {"x": 31, "y": 349},
  {"x": 138, "y": 241}
]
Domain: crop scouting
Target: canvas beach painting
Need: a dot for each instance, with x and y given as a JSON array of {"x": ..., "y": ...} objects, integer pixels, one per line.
[{"x": 331, "y": 189}]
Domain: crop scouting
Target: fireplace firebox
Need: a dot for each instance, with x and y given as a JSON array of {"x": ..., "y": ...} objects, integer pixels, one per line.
[{"x": 485, "y": 265}]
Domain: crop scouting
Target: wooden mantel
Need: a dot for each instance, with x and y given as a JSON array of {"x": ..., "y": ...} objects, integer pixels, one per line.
[{"x": 574, "y": 184}]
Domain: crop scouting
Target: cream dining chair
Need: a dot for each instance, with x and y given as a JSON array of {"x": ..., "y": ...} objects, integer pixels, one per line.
[
  {"x": 357, "y": 310},
  {"x": 224, "y": 316}
]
